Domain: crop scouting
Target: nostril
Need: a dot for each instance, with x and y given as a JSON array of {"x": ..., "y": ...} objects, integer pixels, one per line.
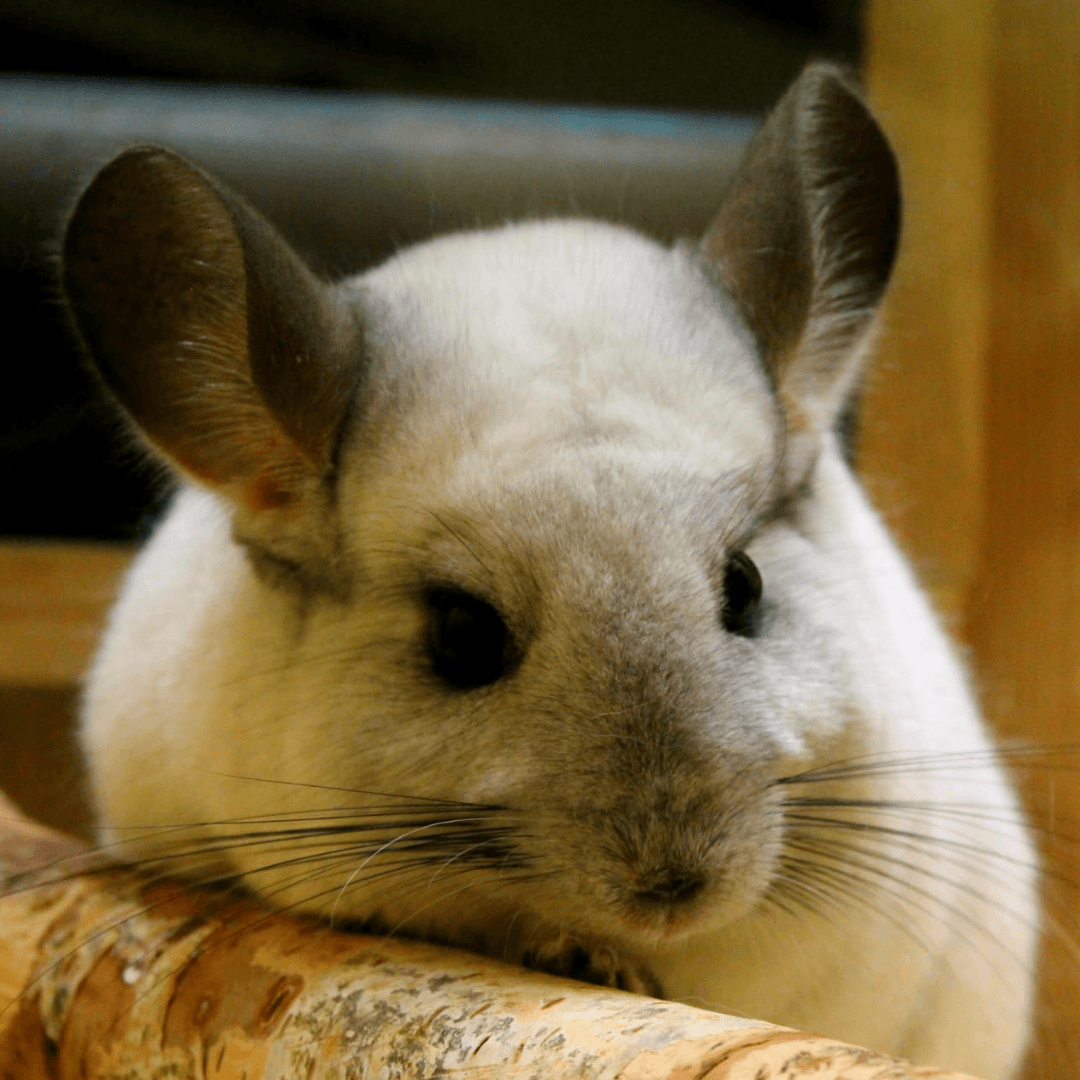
[{"x": 673, "y": 886}]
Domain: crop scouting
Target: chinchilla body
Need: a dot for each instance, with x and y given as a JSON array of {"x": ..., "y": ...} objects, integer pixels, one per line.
[{"x": 517, "y": 595}]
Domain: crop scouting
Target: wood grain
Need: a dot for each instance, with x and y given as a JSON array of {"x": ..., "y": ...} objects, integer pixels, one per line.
[{"x": 1024, "y": 610}]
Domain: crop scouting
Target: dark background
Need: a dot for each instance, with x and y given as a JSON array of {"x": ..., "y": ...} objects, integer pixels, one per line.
[
  {"x": 66, "y": 468},
  {"x": 734, "y": 55}
]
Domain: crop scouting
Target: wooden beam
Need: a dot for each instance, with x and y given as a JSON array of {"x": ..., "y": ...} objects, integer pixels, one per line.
[
  {"x": 974, "y": 415},
  {"x": 54, "y": 598},
  {"x": 1024, "y": 610},
  {"x": 921, "y": 430}
]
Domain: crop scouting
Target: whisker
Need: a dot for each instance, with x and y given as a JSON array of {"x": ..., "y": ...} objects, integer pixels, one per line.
[{"x": 902, "y": 763}]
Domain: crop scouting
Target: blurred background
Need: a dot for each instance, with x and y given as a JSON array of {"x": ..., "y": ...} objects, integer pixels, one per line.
[
  {"x": 733, "y": 55},
  {"x": 68, "y": 470}
]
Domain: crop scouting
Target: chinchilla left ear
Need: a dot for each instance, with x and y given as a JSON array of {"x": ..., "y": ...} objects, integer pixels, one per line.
[{"x": 805, "y": 241}]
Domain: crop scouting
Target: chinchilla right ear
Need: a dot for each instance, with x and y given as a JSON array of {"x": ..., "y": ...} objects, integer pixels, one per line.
[
  {"x": 805, "y": 242},
  {"x": 234, "y": 363}
]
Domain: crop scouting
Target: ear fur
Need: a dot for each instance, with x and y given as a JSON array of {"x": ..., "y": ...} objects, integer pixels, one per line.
[
  {"x": 805, "y": 241},
  {"x": 232, "y": 360}
]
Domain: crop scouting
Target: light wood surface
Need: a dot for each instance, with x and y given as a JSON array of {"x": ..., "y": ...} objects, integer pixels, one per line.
[
  {"x": 972, "y": 423},
  {"x": 1023, "y": 618}
]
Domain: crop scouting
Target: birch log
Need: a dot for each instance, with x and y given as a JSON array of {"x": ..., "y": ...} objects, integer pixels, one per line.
[{"x": 102, "y": 977}]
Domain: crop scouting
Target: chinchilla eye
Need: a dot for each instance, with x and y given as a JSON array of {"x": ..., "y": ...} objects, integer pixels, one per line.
[
  {"x": 742, "y": 595},
  {"x": 468, "y": 642}
]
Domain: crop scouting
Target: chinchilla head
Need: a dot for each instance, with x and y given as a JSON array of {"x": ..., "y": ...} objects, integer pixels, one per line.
[{"x": 505, "y": 579}]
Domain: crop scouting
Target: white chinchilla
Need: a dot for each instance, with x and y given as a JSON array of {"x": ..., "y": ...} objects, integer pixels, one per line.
[{"x": 517, "y": 596}]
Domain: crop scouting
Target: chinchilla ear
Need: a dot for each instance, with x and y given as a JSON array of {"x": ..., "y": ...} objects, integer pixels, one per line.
[
  {"x": 231, "y": 359},
  {"x": 805, "y": 242}
]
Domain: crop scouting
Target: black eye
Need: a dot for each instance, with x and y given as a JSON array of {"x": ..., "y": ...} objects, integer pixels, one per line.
[
  {"x": 742, "y": 595},
  {"x": 468, "y": 642}
]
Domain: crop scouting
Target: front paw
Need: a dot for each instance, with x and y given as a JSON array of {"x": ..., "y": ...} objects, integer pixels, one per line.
[{"x": 601, "y": 965}]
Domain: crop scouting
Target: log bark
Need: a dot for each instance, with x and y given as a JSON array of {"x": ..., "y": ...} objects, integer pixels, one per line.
[{"x": 102, "y": 976}]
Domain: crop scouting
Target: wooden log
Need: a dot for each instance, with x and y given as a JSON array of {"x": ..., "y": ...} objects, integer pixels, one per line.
[{"x": 104, "y": 977}]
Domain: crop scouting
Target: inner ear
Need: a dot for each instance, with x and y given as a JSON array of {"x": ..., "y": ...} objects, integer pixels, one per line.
[{"x": 233, "y": 361}]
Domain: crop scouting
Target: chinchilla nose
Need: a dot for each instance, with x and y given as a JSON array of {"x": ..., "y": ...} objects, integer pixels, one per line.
[{"x": 671, "y": 885}]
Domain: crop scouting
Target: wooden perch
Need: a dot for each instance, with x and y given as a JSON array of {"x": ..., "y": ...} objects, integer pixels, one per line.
[{"x": 103, "y": 978}]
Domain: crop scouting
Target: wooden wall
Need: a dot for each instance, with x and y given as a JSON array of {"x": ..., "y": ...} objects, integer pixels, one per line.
[{"x": 971, "y": 439}]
